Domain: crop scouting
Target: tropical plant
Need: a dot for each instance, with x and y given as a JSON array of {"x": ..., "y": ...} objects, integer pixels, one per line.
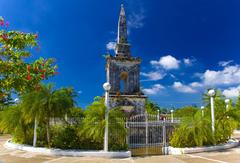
[
  {"x": 187, "y": 111},
  {"x": 66, "y": 137},
  {"x": 45, "y": 104},
  {"x": 238, "y": 102},
  {"x": 76, "y": 115},
  {"x": 151, "y": 107},
  {"x": 196, "y": 130},
  {"x": 12, "y": 121},
  {"x": 193, "y": 131},
  {"x": 94, "y": 124}
]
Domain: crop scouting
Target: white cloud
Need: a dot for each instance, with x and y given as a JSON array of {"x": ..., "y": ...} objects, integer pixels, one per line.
[
  {"x": 167, "y": 62},
  {"x": 178, "y": 86},
  {"x": 188, "y": 61},
  {"x": 230, "y": 75},
  {"x": 153, "y": 76},
  {"x": 111, "y": 46},
  {"x": 196, "y": 84},
  {"x": 135, "y": 19},
  {"x": 154, "y": 89},
  {"x": 225, "y": 63},
  {"x": 232, "y": 92}
]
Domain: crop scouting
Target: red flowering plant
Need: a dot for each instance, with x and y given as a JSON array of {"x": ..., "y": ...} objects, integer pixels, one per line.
[{"x": 16, "y": 74}]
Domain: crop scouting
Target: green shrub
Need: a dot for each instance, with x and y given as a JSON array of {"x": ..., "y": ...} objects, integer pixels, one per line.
[
  {"x": 196, "y": 130},
  {"x": 193, "y": 131},
  {"x": 12, "y": 122},
  {"x": 188, "y": 111},
  {"x": 94, "y": 124},
  {"x": 85, "y": 134},
  {"x": 65, "y": 137}
]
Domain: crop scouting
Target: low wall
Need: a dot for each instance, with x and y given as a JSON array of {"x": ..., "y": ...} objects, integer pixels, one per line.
[
  {"x": 60, "y": 152},
  {"x": 178, "y": 151}
]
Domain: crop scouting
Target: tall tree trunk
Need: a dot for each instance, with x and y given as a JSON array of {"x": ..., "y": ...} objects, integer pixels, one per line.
[
  {"x": 66, "y": 117},
  {"x": 48, "y": 134},
  {"x": 35, "y": 132}
]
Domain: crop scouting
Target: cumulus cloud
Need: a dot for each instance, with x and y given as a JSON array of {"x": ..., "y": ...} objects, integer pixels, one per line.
[
  {"x": 153, "y": 76},
  {"x": 232, "y": 92},
  {"x": 230, "y": 75},
  {"x": 224, "y": 63},
  {"x": 178, "y": 86},
  {"x": 156, "y": 88},
  {"x": 196, "y": 84},
  {"x": 167, "y": 62},
  {"x": 111, "y": 46}
]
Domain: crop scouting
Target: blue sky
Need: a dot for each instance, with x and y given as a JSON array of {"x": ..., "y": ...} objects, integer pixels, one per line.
[{"x": 186, "y": 46}]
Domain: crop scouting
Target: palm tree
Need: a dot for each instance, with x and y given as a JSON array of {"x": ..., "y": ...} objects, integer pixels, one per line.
[
  {"x": 151, "y": 108},
  {"x": 196, "y": 130},
  {"x": 12, "y": 121},
  {"x": 33, "y": 109},
  {"x": 46, "y": 103},
  {"x": 94, "y": 123},
  {"x": 193, "y": 131}
]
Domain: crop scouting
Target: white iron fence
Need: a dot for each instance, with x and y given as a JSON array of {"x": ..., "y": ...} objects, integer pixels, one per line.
[{"x": 149, "y": 134}]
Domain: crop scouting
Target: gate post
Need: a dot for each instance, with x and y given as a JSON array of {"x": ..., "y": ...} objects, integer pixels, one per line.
[
  {"x": 146, "y": 134},
  {"x": 128, "y": 133},
  {"x": 164, "y": 137}
]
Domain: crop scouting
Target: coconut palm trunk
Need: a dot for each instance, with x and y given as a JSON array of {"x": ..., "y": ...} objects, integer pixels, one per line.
[
  {"x": 35, "y": 132},
  {"x": 48, "y": 134}
]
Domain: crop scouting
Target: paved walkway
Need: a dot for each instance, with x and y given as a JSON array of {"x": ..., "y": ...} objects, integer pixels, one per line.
[{"x": 18, "y": 156}]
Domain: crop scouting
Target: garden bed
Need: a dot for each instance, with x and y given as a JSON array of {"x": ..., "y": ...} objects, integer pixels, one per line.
[
  {"x": 60, "y": 152},
  {"x": 178, "y": 151}
]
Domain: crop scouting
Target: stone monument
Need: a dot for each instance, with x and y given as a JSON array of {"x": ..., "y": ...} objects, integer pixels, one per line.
[{"x": 123, "y": 73}]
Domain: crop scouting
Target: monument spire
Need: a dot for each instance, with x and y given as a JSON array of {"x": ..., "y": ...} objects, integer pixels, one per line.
[
  {"x": 122, "y": 27},
  {"x": 122, "y": 48}
]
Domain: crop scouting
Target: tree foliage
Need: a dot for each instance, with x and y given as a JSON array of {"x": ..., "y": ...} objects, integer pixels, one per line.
[
  {"x": 193, "y": 131},
  {"x": 16, "y": 74},
  {"x": 12, "y": 121},
  {"x": 187, "y": 111},
  {"x": 46, "y": 104},
  {"x": 43, "y": 105}
]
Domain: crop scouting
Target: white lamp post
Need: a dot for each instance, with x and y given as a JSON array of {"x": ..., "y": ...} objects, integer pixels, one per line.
[
  {"x": 202, "y": 108},
  {"x": 106, "y": 87},
  {"x": 211, "y": 93},
  {"x": 171, "y": 115},
  {"x": 227, "y": 103}
]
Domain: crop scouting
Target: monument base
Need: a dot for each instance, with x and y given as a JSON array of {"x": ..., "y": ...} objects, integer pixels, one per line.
[{"x": 130, "y": 104}]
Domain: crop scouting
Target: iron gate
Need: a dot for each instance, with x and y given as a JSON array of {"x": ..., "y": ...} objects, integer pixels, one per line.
[{"x": 149, "y": 134}]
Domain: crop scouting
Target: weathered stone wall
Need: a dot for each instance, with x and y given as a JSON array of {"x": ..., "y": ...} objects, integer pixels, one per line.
[
  {"x": 131, "y": 68},
  {"x": 129, "y": 103}
]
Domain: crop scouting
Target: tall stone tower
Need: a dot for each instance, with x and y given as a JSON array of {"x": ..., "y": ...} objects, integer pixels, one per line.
[{"x": 123, "y": 73}]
